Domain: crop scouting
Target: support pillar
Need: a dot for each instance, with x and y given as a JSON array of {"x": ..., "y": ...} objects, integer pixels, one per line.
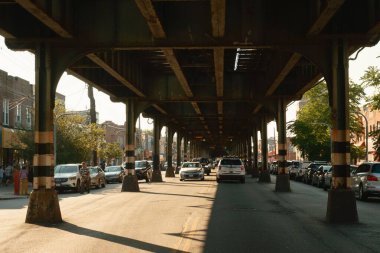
[
  {"x": 264, "y": 176},
  {"x": 341, "y": 205},
  {"x": 179, "y": 141},
  {"x": 249, "y": 169},
  {"x": 185, "y": 145},
  {"x": 156, "y": 177},
  {"x": 170, "y": 171},
  {"x": 130, "y": 181},
  {"x": 282, "y": 179},
  {"x": 255, "y": 166},
  {"x": 43, "y": 201}
]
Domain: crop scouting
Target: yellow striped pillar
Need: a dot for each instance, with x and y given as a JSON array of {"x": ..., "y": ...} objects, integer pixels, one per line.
[
  {"x": 43, "y": 201},
  {"x": 282, "y": 179},
  {"x": 264, "y": 176},
  {"x": 156, "y": 176},
  {"x": 130, "y": 182},
  {"x": 341, "y": 205}
]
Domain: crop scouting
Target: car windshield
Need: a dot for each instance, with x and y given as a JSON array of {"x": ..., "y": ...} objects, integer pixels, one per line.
[
  {"x": 112, "y": 169},
  {"x": 376, "y": 168},
  {"x": 191, "y": 165},
  {"x": 230, "y": 162},
  {"x": 66, "y": 169},
  {"x": 140, "y": 164}
]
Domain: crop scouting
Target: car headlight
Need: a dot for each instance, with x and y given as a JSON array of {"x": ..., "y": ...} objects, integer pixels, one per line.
[{"x": 72, "y": 178}]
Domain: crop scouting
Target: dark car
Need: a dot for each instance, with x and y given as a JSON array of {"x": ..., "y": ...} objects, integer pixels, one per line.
[
  {"x": 114, "y": 173},
  {"x": 311, "y": 169},
  {"x": 143, "y": 170},
  {"x": 319, "y": 176}
]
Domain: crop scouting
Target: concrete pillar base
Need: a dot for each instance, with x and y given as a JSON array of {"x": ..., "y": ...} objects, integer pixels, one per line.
[
  {"x": 282, "y": 183},
  {"x": 169, "y": 172},
  {"x": 156, "y": 176},
  {"x": 130, "y": 184},
  {"x": 255, "y": 172},
  {"x": 341, "y": 206},
  {"x": 43, "y": 207},
  {"x": 264, "y": 177}
]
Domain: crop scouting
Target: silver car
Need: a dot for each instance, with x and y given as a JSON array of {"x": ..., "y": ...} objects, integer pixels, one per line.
[
  {"x": 191, "y": 170},
  {"x": 230, "y": 168},
  {"x": 67, "y": 177},
  {"x": 366, "y": 180},
  {"x": 98, "y": 178}
]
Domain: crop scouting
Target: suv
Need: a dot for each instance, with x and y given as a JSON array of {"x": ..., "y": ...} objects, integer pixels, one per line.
[
  {"x": 302, "y": 171},
  {"x": 366, "y": 180},
  {"x": 67, "y": 177},
  {"x": 293, "y": 168},
  {"x": 230, "y": 168}
]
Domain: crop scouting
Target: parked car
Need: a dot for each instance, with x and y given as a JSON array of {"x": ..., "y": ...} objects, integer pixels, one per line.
[
  {"x": 293, "y": 168},
  {"x": 143, "y": 170},
  {"x": 230, "y": 168},
  {"x": 366, "y": 180},
  {"x": 114, "y": 173},
  {"x": 98, "y": 177},
  {"x": 191, "y": 170},
  {"x": 302, "y": 171},
  {"x": 318, "y": 178},
  {"x": 67, "y": 177},
  {"x": 311, "y": 169}
]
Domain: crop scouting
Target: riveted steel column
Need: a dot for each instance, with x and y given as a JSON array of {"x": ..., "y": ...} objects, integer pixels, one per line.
[
  {"x": 169, "y": 152},
  {"x": 249, "y": 169},
  {"x": 130, "y": 181},
  {"x": 179, "y": 140},
  {"x": 255, "y": 167},
  {"x": 185, "y": 145},
  {"x": 264, "y": 173},
  {"x": 156, "y": 177},
  {"x": 282, "y": 179},
  {"x": 43, "y": 202},
  {"x": 341, "y": 206}
]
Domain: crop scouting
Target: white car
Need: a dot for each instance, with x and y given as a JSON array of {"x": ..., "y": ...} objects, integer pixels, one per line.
[
  {"x": 191, "y": 170},
  {"x": 67, "y": 177},
  {"x": 230, "y": 168}
]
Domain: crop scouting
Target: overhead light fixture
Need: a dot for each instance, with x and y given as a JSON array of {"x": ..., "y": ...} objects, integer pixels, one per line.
[{"x": 236, "y": 59}]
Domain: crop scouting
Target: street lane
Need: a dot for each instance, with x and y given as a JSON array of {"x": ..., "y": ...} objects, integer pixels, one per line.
[{"x": 192, "y": 216}]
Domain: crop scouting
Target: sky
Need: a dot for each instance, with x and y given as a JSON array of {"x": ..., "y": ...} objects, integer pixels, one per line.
[{"x": 21, "y": 64}]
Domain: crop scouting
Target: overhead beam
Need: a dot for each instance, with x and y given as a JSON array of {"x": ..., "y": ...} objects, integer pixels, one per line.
[
  {"x": 332, "y": 7},
  {"x": 218, "y": 13},
  {"x": 284, "y": 72},
  {"x": 41, "y": 15}
]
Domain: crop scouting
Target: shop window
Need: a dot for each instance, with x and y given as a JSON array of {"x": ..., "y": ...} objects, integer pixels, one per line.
[{"x": 18, "y": 116}]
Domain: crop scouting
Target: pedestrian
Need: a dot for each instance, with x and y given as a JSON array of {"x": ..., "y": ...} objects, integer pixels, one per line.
[
  {"x": 23, "y": 181},
  {"x": 2, "y": 175},
  {"x": 8, "y": 174}
]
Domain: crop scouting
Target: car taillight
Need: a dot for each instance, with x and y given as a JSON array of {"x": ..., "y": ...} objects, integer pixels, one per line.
[
  {"x": 371, "y": 178},
  {"x": 242, "y": 167}
]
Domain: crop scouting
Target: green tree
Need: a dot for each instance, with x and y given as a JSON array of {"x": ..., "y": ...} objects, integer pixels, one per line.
[
  {"x": 371, "y": 79},
  {"x": 109, "y": 151},
  {"x": 312, "y": 128}
]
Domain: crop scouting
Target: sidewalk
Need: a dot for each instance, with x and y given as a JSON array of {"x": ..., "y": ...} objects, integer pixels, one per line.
[{"x": 7, "y": 192}]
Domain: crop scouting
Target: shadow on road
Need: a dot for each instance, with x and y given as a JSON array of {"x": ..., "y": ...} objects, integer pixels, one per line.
[
  {"x": 173, "y": 194},
  {"x": 72, "y": 228}
]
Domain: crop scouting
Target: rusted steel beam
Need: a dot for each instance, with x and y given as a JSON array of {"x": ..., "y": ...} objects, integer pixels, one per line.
[{"x": 41, "y": 15}]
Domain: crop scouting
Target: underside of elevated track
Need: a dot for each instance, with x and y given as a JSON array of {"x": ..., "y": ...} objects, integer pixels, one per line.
[{"x": 212, "y": 70}]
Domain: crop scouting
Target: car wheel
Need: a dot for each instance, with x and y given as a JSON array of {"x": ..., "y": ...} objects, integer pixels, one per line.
[
  {"x": 180, "y": 179},
  {"x": 217, "y": 180},
  {"x": 362, "y": 194},
  {"x": 203, "y": 178},
  {"x": 208, "y": 173},
  {"x": 104, "y": 183}
]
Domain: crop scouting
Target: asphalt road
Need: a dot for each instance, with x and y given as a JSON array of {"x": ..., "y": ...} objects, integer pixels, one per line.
[{"x": 192, "y": 216}]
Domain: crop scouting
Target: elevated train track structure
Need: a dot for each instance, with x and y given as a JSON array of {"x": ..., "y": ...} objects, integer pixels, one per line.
[{"x": 212, "y": 70}]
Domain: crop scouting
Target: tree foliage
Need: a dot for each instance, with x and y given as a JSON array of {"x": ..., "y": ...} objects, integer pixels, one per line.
[
  {"x": 109, "y": 151},
  {"x": 311, "y": 130},
  {"x": 371, "y": 79}
]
